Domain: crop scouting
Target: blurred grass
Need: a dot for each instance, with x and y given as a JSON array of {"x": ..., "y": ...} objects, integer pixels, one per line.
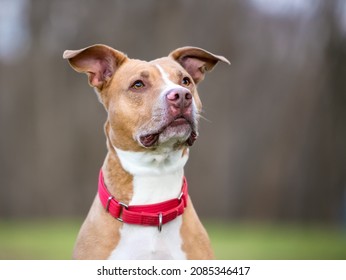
[
  {"x": 54, "y": 239},
  {"x": 38, "y": 239},
  {"x": 277, "y": 242}
]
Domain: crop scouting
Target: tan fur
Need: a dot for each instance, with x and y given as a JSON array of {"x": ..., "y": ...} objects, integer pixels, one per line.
[{"x": 196, "y": 242}]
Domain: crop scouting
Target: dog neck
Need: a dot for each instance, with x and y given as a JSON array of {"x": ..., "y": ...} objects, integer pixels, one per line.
[{"x": 145, "y": 177}]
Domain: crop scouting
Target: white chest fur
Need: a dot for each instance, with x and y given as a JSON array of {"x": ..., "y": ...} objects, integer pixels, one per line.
[{"x": 156, "y": 178}]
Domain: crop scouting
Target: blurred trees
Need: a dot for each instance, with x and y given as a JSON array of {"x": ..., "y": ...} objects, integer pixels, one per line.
[{"x": 273, "y": 148}]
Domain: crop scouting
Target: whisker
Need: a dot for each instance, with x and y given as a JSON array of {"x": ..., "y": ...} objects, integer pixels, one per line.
[{"x": 204, "y": 118}]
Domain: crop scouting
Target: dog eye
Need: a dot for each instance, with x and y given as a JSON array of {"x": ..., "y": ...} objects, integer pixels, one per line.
[
  {"x": 186, "y": 81},
  {"x": 138, "y": 84}
]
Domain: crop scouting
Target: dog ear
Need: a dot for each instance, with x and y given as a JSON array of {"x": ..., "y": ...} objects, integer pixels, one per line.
[
  {"x": 99, "y": 62},
  {"x": 196, "y": 61}
]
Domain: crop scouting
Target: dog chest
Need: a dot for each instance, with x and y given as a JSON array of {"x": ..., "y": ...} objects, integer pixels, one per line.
[{"x": 139, "y": 242}]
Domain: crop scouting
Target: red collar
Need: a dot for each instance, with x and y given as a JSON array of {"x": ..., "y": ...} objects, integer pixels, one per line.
[{"x": 156, "y": 214}]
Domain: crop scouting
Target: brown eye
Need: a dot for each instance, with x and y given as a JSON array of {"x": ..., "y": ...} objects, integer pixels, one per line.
[
  {"x": 138, "y": 84},
  {"x": 186, "y": 81}
]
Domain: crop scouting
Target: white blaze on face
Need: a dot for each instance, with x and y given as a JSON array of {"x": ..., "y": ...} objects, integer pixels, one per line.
[
  {"x": 168, "y": 83},
  {"x": 172, "y": 135}
]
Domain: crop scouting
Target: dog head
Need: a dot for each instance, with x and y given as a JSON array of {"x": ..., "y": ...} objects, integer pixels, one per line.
[{"x": 150, "y": 104}]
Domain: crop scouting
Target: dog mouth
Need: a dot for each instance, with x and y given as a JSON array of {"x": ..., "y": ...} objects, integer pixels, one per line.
[{"x": 151, "y": 139}]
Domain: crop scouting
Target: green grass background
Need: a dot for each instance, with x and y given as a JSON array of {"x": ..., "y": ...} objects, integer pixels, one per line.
[{"x": 54, "y": 239}]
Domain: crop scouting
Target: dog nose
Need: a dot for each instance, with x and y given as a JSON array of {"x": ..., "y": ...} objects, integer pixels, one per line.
[{"x": 179, "y": 97}]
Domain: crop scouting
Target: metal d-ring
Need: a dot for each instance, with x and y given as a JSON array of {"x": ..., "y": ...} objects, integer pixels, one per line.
[
  {"x": 122, "y": 208},
  {"x": 160, "y": 222}
]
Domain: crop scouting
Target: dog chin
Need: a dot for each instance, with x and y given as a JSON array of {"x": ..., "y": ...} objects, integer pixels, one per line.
[
  {"x": 174, "y": 135},
  {"x": 170, "y": 136}
]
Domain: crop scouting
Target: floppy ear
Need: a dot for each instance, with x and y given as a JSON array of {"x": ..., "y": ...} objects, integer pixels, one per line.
[
  {"x": 196, "y": 61},
  {"x": 99, "y": 62}
]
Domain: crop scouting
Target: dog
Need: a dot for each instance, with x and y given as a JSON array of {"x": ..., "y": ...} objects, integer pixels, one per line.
[{"x": 142, "y": 209}]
